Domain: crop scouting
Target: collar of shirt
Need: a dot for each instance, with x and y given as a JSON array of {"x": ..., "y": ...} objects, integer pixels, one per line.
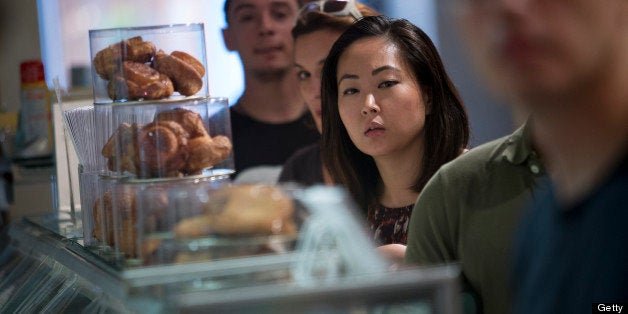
[{"x": 518, "y": 150}]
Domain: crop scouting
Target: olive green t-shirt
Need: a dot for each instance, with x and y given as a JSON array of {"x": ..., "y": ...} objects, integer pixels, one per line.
[{"x": 468, "y": 212}]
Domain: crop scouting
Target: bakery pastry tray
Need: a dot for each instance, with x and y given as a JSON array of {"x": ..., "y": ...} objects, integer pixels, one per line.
[
  {"x": 148, "y": 63},
  {"x": 138, "y": 223},
  {"x": 159, "y": 139}
]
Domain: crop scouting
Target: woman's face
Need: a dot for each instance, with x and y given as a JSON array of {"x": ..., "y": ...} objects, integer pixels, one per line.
[
  {"x": 309, "y": 56},
  {"x": 379, "y": 101}
]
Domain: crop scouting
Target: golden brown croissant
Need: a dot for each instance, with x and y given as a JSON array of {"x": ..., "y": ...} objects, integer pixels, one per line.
[
  {"x": 188, "y": 59},
  {"x": 108, "y": 61},
  {"x": 206, "y": 151},
  {"x": 161, "y": 149},
  {"x": 189, "y": 120},
  {"x": 116, "y": 231},
  {"x": 185, "y": 71},
  {"x": 139, "y": 81},
  {"x": 248, "y": 210},
  {"x": 120, "y": 148},
  {"x": 122, "y": 230}
]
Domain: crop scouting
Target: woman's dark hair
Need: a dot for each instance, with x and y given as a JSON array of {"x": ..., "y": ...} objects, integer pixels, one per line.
[{"x": 446, "y": 127}]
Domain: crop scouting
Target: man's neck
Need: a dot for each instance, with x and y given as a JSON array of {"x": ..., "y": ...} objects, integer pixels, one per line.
[
  {"x": 271, "y": 98},
  {"x": 582, "y": 140}
]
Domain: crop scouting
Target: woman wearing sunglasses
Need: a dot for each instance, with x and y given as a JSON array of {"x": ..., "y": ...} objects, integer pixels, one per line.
[
  {"x": 390, "y": 118},
  {"x": 317, "y": 27}
]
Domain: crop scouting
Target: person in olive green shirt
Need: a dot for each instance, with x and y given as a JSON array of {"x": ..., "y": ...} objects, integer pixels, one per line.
[{"x": 468, "y": 213}]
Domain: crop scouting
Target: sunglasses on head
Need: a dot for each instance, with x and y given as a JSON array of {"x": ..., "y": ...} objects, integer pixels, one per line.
[{"x": 333, "y": 7}]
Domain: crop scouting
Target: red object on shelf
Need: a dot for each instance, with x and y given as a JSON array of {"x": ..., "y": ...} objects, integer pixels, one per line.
[{"x": 32, "y": 72}]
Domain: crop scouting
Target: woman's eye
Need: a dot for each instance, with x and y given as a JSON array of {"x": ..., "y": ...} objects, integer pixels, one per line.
[
  {"x": 387, "y": 84},
  {"x": 303, "y": 75},
  {"x": 350, "y": 91},
  {"x": 280, "y": 15}
]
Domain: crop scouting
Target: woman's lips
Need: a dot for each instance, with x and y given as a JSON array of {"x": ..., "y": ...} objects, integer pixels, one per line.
[
  {"x": 374, "y": 129},
  {"x": 374, "y": 132}
]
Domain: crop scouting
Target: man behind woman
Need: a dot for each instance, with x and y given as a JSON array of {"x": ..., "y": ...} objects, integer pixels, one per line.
[{"x": 268, "y": 120}]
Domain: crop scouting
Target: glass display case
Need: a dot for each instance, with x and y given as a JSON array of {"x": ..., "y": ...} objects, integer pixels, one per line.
[
  {"x": 163, "y": 229},
  {"x": 329, "y": 267},
  {"x": 152, "y": 147},
  {"x": 148, "y": 63}
]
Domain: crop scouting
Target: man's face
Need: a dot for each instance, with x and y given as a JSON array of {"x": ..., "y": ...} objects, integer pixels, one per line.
[
  {"x": 534, "y": 49},
  {"x": 259, "y": 30}
]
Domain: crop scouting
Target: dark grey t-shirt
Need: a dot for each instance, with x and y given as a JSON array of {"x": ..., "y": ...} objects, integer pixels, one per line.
[{"x": 257, "y": 143}]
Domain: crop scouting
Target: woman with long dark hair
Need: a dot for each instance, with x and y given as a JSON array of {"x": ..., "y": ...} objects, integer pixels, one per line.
[{"x": 391, "y": 117}]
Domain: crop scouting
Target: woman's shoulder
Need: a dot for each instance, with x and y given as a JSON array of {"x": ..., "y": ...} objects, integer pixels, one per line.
[
  {"x": 304, "y": 166},
  {"x": 307, "y": 154}
]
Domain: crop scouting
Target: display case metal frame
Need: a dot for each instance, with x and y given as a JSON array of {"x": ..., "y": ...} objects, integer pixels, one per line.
[{"x": 71, "y": 271}]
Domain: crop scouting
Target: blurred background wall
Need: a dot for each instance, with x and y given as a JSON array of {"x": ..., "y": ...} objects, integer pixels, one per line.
[
  {"x": 19, "y": 41},
  {"x": 64, "y": 45}
]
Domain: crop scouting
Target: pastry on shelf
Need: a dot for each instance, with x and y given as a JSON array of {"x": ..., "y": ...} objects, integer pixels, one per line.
[
  {"x": 161, "y": 149},
  {"x": 120, "y": 148},
  {"x": 185, "y": 71},
  {"x": 206, "y": 151},
  {"x": 116, "y": 221},
  {"x": 138, "y": 81},
  {"x": 135, "y": 70},
  {"x": 189, "y": 120},
  {"x": 244, "y": 210},
  {"x": 175, "y": 144},
  {"x": 109, "y": 60}
]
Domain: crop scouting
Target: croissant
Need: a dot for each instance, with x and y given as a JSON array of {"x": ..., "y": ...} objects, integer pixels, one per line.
[
  {"x": 188, "y": 119},
  {"x": 139, "y": 81},
  {"x": 185, "y": 71},
  {"x": 122, "y": 230},
  {"x": 120, "y": 148},
  {"x": 108, "y": 61},
  {"x": 104, "y": 226},
  {"x": 161, "y": 149},
  {"x": 206, "y": 151},
  {"x": 245, "y": 210}
]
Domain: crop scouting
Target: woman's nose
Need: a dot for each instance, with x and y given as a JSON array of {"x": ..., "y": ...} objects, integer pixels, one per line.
[
  {"x": 316, "y": 87},
  {"x": 370, "y": 106},
  {"x": 311, "y": 88}
]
